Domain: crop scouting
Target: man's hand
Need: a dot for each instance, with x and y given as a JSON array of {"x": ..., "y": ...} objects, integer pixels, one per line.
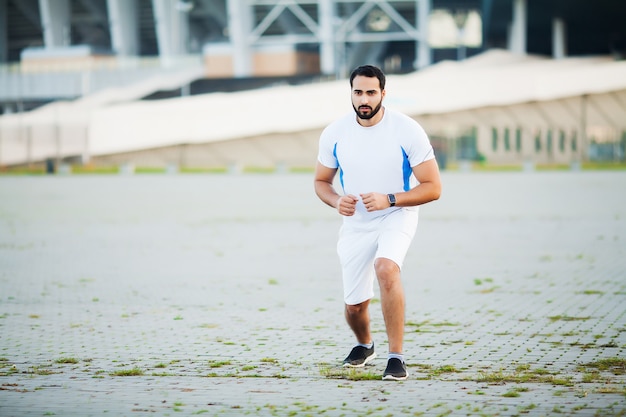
[
  {"x": 375, "y": 201},
  {"x": 346, "y": 205}
]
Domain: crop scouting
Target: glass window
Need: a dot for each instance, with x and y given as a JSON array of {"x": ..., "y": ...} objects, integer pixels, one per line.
[
  {"x": 494, "y": 139},
  {"x": 538, "y": 141}
]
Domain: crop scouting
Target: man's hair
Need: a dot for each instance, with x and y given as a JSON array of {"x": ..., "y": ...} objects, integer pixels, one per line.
[{"x": 369, "y": 71}]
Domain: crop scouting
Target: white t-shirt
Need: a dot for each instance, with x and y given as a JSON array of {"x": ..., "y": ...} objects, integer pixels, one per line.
[{"x": 374, "y": 159}]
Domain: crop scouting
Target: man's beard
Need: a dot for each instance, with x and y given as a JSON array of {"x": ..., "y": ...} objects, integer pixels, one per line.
[{"x": 369, "y": 115}]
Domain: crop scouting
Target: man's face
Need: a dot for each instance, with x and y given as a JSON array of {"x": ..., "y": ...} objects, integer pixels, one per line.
[{"x": 367, "y": 97}]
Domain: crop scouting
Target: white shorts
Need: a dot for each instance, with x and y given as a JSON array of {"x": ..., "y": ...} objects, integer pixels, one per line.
[{"x": 360, "y": 245}]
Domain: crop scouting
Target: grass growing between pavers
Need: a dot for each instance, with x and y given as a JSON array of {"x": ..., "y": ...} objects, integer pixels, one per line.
[
  {"x": 593, "y": 377},
  {"x": 520, "y": 375},
  {"x": 136, "y": 371},
  {"x": 516, "y": 386},
  {"x": 617, "y": 366},
  {"x": 352, "y": 374},
  {"x": 428, "y": 326}
]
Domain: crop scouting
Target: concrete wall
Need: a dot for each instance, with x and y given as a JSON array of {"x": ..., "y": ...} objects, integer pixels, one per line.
[
  {"x": 272, "y": 152},
  {"x": 274, "y": 61}
]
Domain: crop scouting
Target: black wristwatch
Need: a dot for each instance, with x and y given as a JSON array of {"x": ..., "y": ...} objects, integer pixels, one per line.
[{"x": 392, "y": 199}]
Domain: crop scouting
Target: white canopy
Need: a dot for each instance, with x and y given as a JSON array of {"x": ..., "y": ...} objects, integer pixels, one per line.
[
  {"x": 496, "y": 88},
  {"x": 494, "y": 79}
]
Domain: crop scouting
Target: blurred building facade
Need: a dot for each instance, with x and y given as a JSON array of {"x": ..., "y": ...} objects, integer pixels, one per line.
[{"x": 67, "y": 49}]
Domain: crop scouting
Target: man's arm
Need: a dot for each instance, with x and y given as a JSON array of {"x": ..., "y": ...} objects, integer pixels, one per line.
[
  {"x": 428, "y": 189},
  {"x": 325, "y": 190}
]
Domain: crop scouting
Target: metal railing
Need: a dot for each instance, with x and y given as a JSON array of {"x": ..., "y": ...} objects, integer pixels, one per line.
[{"x": 68, "y": 80}]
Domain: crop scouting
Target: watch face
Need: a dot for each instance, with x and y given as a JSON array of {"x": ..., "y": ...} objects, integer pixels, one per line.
[{"x": 392, "y": 199}]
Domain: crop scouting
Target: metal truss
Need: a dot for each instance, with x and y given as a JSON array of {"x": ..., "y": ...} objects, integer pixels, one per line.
[{"x": 331, "y": 24}]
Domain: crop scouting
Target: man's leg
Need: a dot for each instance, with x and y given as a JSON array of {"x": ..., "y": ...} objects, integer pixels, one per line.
[
  {"x": 356, "y": 251},
  {"x": 396, "y": 234},
  {"x": 392, "y": 302},
  {"x": 358, "y": 318}
]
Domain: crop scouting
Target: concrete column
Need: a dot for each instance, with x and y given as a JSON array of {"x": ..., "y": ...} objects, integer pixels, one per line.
[
  {"x": 460, "y": 19},
  {"x": 162, "y": 27},
  {"x": 172, "y": 30},
  {"x": 559, "y": 38},
  {"x": 422, "y": 52},
  {"x": 239, "y": 27},
  {"x": 55, "y": 20},
  {"x": 517, "y": 36},
  {"x": 180, "y": 20},
  {"x": 582, "y": 136},
  {"x": 124, "y": 26},
  {"x": 327, "y": 39}
]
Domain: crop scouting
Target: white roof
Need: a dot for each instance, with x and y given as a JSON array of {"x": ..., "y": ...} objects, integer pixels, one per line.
[
  {"x": 495, "y": 78},
  {"x": 498, "y": 78}
]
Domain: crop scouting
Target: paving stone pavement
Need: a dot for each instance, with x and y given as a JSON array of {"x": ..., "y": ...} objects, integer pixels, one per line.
[{"x": 220, "y": 295}]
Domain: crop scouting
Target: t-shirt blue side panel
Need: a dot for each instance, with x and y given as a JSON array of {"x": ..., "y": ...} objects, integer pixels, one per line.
[
  {"x": 338, "y": 166},
  {"x": 406, "y": 170}
]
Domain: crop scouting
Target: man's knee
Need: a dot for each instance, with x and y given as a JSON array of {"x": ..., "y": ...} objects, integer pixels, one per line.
[
  {"x": 356, "y": 310},
  {"x": 386, "y": 269}
]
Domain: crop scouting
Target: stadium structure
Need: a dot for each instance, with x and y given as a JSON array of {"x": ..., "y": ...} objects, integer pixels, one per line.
[{"x": 231, "y": 83}]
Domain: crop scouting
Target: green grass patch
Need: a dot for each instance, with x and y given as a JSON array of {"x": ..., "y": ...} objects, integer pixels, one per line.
[
  {"x": 67, "y": 360},
  {"x": 302, "y": 170},
  {"x": 203, "y": 170},
  {"x": 445, "y": 369},
  {"x": 92, "y": 169},
  {"x": 553, "y": 167},
  {"x": 486, "y": 167},
  {"x": 218, "y": 364},
  {"x": 150, "y": 170},
  {"x": 615, "y": 365},
  {"x": 128, "y": 372},
  {"x": 259, "y": 170},
  {"x": 436, "y": 324},
  {"x": 39, "y": 370},
  {"x": 34, "y": 170},
  {"x": 568, "y": 318},
  {"x": 604, "y": 166},
  {"x": 524, "y": 376},
  {"x": 351, "y": 374},
  {"x": 612, "y": 389},
  {"x": 592, "y": 292}
]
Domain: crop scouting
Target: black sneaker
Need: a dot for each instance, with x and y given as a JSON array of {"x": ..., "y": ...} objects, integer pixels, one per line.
[
  {"x": 359, "y": 356},
  {"x": 396, "y": 370}
]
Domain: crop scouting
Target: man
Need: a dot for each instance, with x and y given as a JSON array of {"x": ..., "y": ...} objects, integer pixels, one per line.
[{"x": 387, "y": 169}]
